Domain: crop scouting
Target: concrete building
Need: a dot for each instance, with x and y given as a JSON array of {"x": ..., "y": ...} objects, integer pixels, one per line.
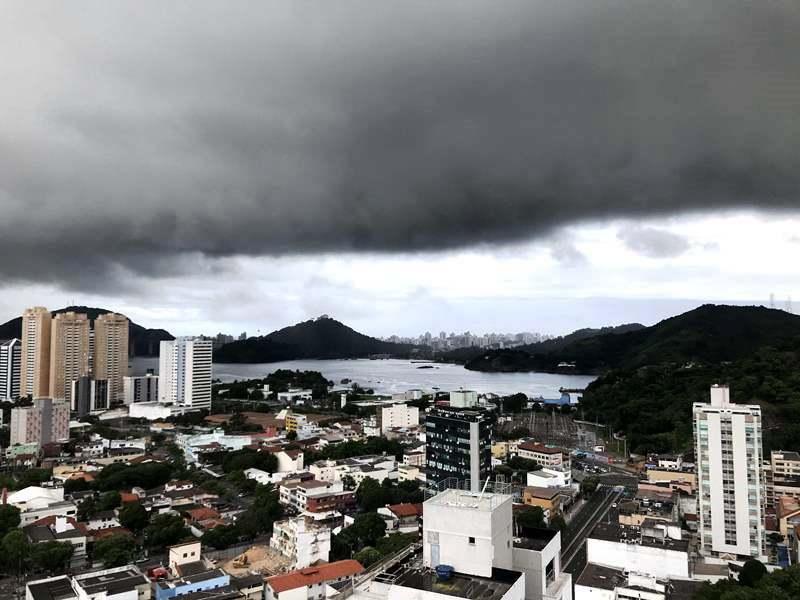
[
  {"x": 302, "y": 541},
  {"x": 10, "y": 366},
  {"x": 547, "y": 456},
  {"x": 782, "y": 476},
  {"x": 463, "y": 399},
  {"x": 185, "y": 374},
  {"x": 654, "y": 549},
  {"x": 89, "y": 395},
  {"x": 730, "y": 488},
  {"x": 397, "y": 415},
  {"x": 458, "y": 446},
  {"x": 119, "y": 583},
  {"x": 111, "y": 353},
  {"x": 472, "y": 534},
  {"x": 35, "y": 360},
  {"x": 597, "y": 582},
  {"x": 552, "y": 477},
  {"x": 46, "y": 421},
  {"x": 69, "y": 353},
  {"x": 143, "y": 388}
]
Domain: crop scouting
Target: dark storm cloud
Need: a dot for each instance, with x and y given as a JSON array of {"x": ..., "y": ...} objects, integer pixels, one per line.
[{"x": 134, "y": 134}]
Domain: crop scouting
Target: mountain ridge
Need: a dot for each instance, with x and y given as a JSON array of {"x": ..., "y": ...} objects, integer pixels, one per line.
[
  {"x": 709, "y": 333},
  {"x": 320, "y": 338}
]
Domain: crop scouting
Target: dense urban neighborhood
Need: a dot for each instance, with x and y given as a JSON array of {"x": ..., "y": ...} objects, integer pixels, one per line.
[{"x": 173, "y": 483}]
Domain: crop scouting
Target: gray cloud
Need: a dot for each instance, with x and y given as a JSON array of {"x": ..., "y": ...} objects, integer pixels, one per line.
[
  {"x": 133, "y": 136},
  {"x": 652, "y": 242},
  {"x": 566, "y": 253}
]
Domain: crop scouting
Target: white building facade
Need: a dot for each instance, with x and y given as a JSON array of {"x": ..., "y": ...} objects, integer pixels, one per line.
[
  {"x": 185, "y": 374},
  {"x": 730, "y": 488}
]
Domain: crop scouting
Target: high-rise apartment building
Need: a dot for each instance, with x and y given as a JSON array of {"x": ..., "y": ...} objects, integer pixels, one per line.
[
  {"x": 185, "y": 374},
  {"x": 35, "y": 360},
  {"x": 730, "y": 487},
  {"x": 111, "y": 353},
  {"x": 45, "y": 422},
  {"x": 143, "y": 388},
  {"x": 10, "y": 364},
  {"x": 89, "y": 395},
  {"x": 458, "y": 446},
  {"x": 69, "y": 353}
]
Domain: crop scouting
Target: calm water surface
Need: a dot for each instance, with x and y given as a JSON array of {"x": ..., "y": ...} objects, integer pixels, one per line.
[{"x": 389, "y": 376}]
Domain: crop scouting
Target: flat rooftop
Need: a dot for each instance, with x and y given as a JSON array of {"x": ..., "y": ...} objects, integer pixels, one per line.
[
  {"x": 113, "y": 583},
  {"x": 468, "y": 500},
  {"x": 55, "y": 589},
  {"x": 534, "y": 539},
  {"x": 604, "y": 578},
  {"x": 614, "y": 532},
  {"x": 460, "y": 585}
]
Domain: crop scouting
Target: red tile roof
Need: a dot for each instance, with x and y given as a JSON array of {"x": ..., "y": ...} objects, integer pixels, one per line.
[
  {"x": 542, "y": 449},
  {"x": 202, "y": 513},
  {"x": 313, "y": 575},
  {"x": 405, "y": 509}
]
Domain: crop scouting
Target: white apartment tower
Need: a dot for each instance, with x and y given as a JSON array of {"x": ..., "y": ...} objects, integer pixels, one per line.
[
  {"x": 184, "y": 377},
  {"x": 730, "y": 487},
  {"x": 10, "y": 361}
]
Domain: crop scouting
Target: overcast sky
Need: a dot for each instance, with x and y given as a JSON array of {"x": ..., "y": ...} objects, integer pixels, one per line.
[{"x": 402, "y": 166}]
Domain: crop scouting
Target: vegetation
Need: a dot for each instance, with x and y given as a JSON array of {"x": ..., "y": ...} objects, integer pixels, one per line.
[
  {"x": 164, "y": 530},
  {"x": 708, "y": 334},
  {"x": 147, "y": 475},
  {"x": 755, "y": 584},
  {"x": 374, "y": 445},
  {"x": 115, "y": 551},
  {"x": 318, "y": 338},
  {"x": 134, "y": 516},
  {"x": 653, "y": 405},
  {"x": 9, "y": 518},
  {"x": 365, "y": 531},
  {"x": 372, "y": 495}
]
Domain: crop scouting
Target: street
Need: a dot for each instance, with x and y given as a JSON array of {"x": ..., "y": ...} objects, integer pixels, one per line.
[{"x": 573, "y": 547}]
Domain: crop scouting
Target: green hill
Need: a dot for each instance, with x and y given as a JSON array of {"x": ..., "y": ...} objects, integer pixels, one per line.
[
  {"x": 143, "y": 342},
  {"x": 322, "y": 338},
  {"x": 710, "y": 333}
]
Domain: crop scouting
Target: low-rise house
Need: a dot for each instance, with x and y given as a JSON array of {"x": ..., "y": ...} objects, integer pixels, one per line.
[
  {"x": 549, "y": 477},
  {"x": 105, "y": 519},
  {"x": 312, "y": 583},
  {"x": 214, "y": 580},
  {"x": 60, "y": 529},
  {"x": 401, "y": 518},
  {"x": 551, "y": 500}
]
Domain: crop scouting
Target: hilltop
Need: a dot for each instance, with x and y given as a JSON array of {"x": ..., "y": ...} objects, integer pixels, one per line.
[
  {"x": 321, "y": 338},
  {"x": 707, "y": 334},
  {"x": 144, "y": 342}
]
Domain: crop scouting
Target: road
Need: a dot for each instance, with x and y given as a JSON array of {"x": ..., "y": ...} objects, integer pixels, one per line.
[{"x": 573, "y": 549}]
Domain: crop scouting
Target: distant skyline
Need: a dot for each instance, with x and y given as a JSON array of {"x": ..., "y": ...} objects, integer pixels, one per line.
[{"x": 402, "y": 166}]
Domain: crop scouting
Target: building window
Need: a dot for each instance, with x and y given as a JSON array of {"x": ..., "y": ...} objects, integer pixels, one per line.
[{"x": 472, "y": 541}]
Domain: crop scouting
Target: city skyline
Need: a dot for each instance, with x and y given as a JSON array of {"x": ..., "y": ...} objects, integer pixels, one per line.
[{"x": 210, "y": 201}]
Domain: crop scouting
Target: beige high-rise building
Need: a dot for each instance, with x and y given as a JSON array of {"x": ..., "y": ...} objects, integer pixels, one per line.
[
  {"x": 111, "y": 353},
  {"x": 35, "y": 362},
  {"x": 69, "y": 353}
]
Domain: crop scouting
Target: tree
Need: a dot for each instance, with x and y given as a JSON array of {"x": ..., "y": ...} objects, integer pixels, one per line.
[
  {"x": 291, "y": 436},
  {"x": 589, "y": 486},
  {"x": 76, "y": 484},
  {"x": 116, "y": 550},
  {"x": 134, "y": 516},
  {"x": 87, "y": 508},
  {"x": 16, "y": 549},
  {"x": 515, "y": 403},
  {"x": 109, "y": 501},
  {"x": 9, "y": 518},
  {"x": 221, "y": 537},
  {"x": 367, "y": 556},
  {"x": 51, "y": 556},
  {"x": 532, "y": 517},
  {"x": 752, "y": 572},
  {"x": 349, "y": 483},
  {"x": 371, "y": 495},
  {"x": 369, "y": 528},
  {"x": 164, "y": 530},
  {"x": 558, "y": 522}
]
